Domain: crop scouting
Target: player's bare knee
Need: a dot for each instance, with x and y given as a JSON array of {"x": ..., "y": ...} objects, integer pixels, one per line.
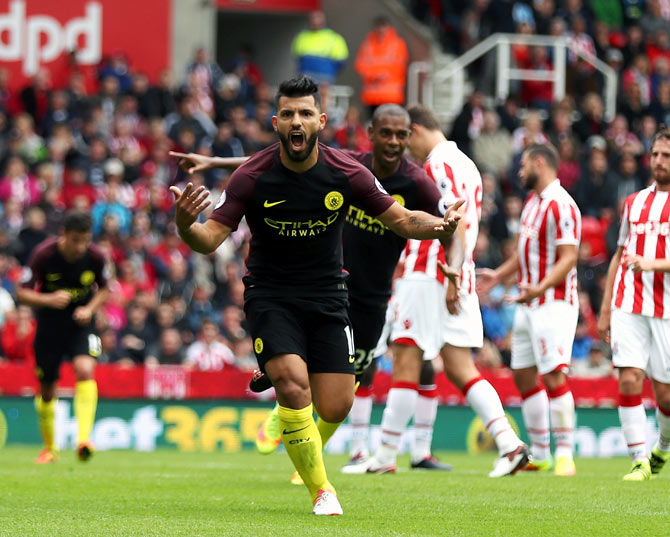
[
  {"x": 292, "y": 392},
  {"x": 554, "y": 380},
  {"x": 630, "y": 381},
  {"x": 335, "y": 412}
]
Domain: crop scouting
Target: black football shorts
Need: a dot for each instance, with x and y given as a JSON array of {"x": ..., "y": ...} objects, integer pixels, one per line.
[
  {"x": 53, "y": 346},
  {"x": 317, "y": 330},
  {"x": 368, "y": 324}
]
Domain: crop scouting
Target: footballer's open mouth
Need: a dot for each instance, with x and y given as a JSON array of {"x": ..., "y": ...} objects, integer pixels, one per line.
[
  {"x": 297, "y": 140},
  {"x": 391, "y": 155}
]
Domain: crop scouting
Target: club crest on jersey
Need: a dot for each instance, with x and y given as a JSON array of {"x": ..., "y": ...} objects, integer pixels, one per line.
[
  {"x": 334, "y": 200},
  {"x": 399, "y": 199},
  {"x": 258, "y": 345},
  {"x": 87, "y": 277}
]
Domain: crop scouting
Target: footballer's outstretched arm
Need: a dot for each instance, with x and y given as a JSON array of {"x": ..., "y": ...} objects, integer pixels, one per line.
[
  {"x": 202, "y": 238},
  {"x": 419, "y": 224},
  {"x": 487, "y": 279},
  {"x": 194, "y": 163}
]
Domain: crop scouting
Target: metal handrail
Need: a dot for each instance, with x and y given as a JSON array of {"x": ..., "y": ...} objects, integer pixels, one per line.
[{"x": 505, "y": 72}]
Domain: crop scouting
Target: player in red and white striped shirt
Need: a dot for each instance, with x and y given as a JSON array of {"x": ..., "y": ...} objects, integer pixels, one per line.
[
  {"x": 636, "y": 306},
  {"x": 432, "y": 316},
  {"x": 545, "y": 321}
]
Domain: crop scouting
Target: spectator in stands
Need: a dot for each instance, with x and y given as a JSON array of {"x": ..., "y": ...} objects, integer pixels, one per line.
[
  {"x": 531, "y": 132},
  {"x": 320, "y": 51},
  {"x": 595, "y": 365},
  {"x": 352, "y": 134},
  {"x": 108, "y": 346},
  {"x": 205, "y": 73},
  {"x": 35, "y": 96},
  {"x": 628, "y": 178},
  {"x": 469, "y": 122},
  {"x": 32, "y": 234},
  {"x": 208, "y": 353},
  {"x": 381, "y": 63},
  {"x": 28, "y": 143},
  {"x": 492, "y": 149},
  {"x": 597, "y": 187},
  {"x": 136, "y": 337},
  {"x": 17, "y": 336},
  {"x": 591, "y": 121},
  {"x": 543, "y": 12},
  {"x": 168, "y": 351},
  {"x": 18, "y": 185},
  {"x": 653, "y": 21},
  {"x": 569, "y": 168},
  {"x": 620, "y": 138},
  {"x": 189, "y": 118}
]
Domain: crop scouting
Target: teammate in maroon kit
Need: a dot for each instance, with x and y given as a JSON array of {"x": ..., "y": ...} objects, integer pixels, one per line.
[{"x": 635, "y": 312}]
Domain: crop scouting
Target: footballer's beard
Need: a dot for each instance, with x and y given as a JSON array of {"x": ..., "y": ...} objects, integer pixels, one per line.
[
  {"x": 661, "y": 176},
  {"x": 530, "y": 181},
  {"x": 302, "y": 154}
]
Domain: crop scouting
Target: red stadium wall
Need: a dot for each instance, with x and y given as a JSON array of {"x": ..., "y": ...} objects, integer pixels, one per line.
[
  {"x": 38, "y": 33},
  {"x": 175, "y": 382}
]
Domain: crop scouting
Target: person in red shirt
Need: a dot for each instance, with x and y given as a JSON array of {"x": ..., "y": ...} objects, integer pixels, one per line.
[{"x": 17, "y": 336}]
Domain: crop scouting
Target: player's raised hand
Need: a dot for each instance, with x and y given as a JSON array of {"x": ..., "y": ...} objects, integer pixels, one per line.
[
  {"x": 192, "y": 162},
  {"x": 487, "y": 279},
  {"x": 189, "y": 204},
  {"x": 451, "y": 218},
  {"x": 59, "y": 299}
]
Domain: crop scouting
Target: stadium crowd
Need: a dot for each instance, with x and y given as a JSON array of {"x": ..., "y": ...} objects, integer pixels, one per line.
[{"x": 98, "y": 139}]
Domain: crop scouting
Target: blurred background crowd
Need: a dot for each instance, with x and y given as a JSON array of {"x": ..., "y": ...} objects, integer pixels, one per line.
[{"x": 97, "y": 138}]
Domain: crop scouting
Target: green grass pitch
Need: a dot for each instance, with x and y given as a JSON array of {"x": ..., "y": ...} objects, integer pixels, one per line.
[{"x": 167, "y": 493}]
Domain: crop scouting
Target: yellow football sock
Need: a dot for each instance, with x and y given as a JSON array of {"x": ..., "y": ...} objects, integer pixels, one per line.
[
  {"x": 85, "y": 404},
  {"x": 303, "y": 444},
  {"x": 46, "y": 419},
  {"x": 326, "y": 430}
]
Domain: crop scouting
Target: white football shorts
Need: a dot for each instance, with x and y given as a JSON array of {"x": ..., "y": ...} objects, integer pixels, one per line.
[
  {"x": 642, "y": 342},
  {"x": 542, "y": 336},
  {"x": 420, "y": 314}
]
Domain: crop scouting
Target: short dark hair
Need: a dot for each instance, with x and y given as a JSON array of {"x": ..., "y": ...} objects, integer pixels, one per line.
[
  {"x": 298, "y": 87},
  {"x": 78, "y": 221},
  {"x": 420, "y": 115},
  {"x": 546, "y": 151},
  {"x": 662, "y": 134},
  {"x": 393, "y": 110}
]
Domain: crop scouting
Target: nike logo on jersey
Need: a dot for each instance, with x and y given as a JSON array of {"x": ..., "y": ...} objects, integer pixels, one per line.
[
  {"x": 53, "y": 277},
  {"x": 272, "y": 203},
  {"x": 295, "y": 430}
]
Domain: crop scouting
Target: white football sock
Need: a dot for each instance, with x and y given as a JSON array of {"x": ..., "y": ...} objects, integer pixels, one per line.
[
  {"x": 485, "y": 402},
  {"x": 535, "y": 410},
  {"x": 359, "y": 419},
  {"x": 424, "y": 421},
  {"x": 562, "y": 410},
  {"x": 634, "y": 425},
  {"x": 400, "y": 406},
  {"x": 663, "y": 430}
]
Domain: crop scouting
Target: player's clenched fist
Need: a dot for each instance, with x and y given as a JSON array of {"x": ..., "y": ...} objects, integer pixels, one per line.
[
  {"x": 59, "y": 299},
  {"x": 189, "y": 204}
]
